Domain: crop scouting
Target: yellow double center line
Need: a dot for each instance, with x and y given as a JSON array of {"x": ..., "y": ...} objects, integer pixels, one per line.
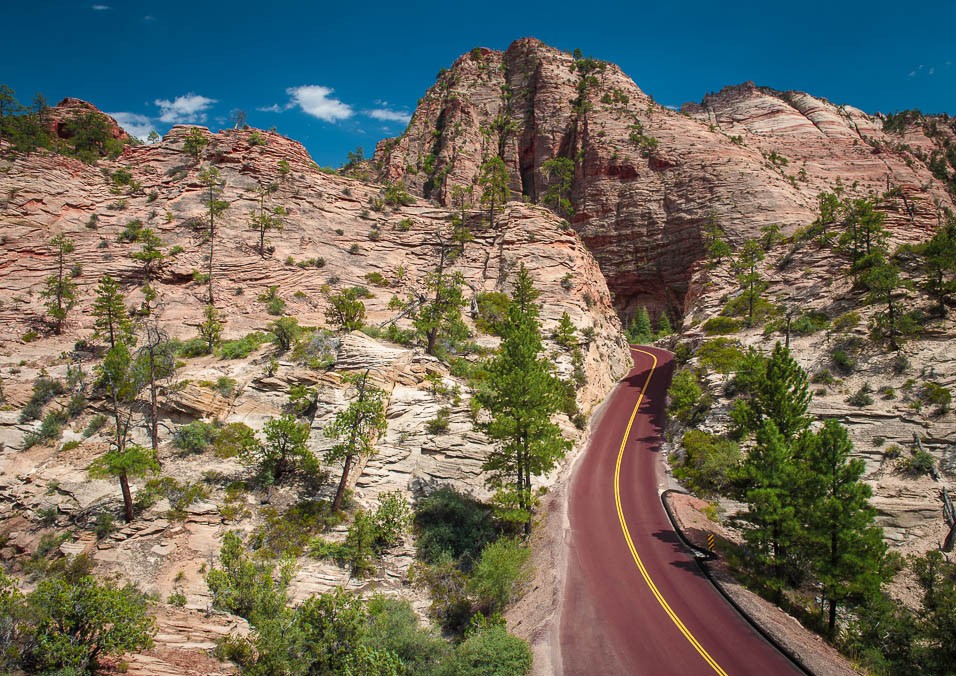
[{"x": 627, "y": 535}]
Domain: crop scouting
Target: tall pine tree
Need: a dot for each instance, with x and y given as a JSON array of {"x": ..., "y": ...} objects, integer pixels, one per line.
[
  {"x": 521, "y": 396},
  {"x": 769, "y": 474},
  {"x": 112, "y": 320},
  {"x": 844, "y": 546}
]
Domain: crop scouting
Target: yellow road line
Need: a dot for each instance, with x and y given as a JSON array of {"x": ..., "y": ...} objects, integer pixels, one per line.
[{"x": 627, "y": 535}]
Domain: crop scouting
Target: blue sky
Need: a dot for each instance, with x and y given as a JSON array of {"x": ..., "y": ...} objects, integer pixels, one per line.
[{"x": 339, "y": 75}]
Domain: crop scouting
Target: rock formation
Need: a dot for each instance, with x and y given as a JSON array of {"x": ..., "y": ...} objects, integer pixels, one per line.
[{"x": 647, "y": 179}]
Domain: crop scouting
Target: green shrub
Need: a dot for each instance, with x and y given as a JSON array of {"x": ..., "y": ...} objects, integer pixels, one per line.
[
  {"x": 243, "y": 347},
  {"x": 274, "y": 304},
  {"x": 44, "y": 390},
  {"x": 822, "y": 377},
  {"x": 194, "y": 347},
  {"x": 685, "y": 398},
  {"x": 708, "y": 462},
  {"x": 177, "y": 598},
  {"x": 103, "y": 525},
  {"x": 94, "y": 425},
  {"x": 195, "y": 437},
  {"x": 842, "y": 361},
  {"x": 809, "y": 323},
  {"x": 861, "y": 397},
  {"x": 440, "y": 423},
  {"x": 499, "y": 574},
  {"x": 919, "y": 463},
  {"x": 846, "y": 321},
  {"x": 454, "y": 524},
  {"x": 723, "y": 355},
  {"x": 376, "y": 279},
  {"x": 180, "y": 495},
  {"x": 288, "y": 533},
  {"x": 936, "y": 395},
  {"x": 50, "y": 429},
  {"x": 721, "y": 325},
  {"x": 492, "y": 311},
  {"x": 490, "y": 651}
]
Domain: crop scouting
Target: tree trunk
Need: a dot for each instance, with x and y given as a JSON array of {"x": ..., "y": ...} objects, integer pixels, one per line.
[
  {"x": 127, "y": 498},
  {"x": 340, "y": 491},
  {"x": 212, "y": 241}
]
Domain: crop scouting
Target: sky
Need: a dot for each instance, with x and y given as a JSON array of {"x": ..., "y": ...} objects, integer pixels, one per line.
[{"x": 339, "y": 75}]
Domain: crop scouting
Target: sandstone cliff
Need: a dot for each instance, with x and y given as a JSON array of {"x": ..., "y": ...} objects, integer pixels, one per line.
[{"x": 647, "y": 179}]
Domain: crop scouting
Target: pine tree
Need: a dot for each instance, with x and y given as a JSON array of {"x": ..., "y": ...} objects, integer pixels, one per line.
[
  {"x": 639, "y": 330},
  {"x": 558, "y": 194},
  {"x": 210, "y": 329},
  {"x": 439, "y": 312},
  {"x": 112, "y": 319},
  {"x": 132, "y": 461},
  {"x": 940, "y": 264},
  {"x": 715, "y": 245},
  {"x": 781, "y": 394},
  {"x": 212, "y": 180},
  {"x": 345, "y": 311},
  {"x": 286, "y": 448},
  {"x": 152, "y": 258},
  {"x": 123, "y": 381},
  {"x": 264, "y": 218},
  {"x": 664, "y": 327},
  {"x": 195, "y": 143},
  {"x": 882, "y": 278},
  {"x": 843, "y": 544},
  {"x": 747, "y": 275},
  {"x": 493, "y": 181},
  {"x": 157, "y": 359},
  {"x": 521, "y": 396},
  {"x": 769, "y": 474},
  {"x": 356, "y": 428},
  {"x": 60, "y": 290},
  {"x": 565, "y": 333}
]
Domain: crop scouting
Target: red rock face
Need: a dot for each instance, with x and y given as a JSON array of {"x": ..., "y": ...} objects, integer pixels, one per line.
[
  {"x": 640, "y": 207},
  {"x": 69, "y": 109}
]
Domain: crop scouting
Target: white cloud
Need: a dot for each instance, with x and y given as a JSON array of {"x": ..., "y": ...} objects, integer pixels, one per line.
[
  {"x": 187, "y": 109},
  {"x": 932, "y": 70},
  {"x": 100, "y": 8},
  {"x": 135, "y": 124},
  {"x": 317, "y": 102},
  {"x": 387, "y": 115},
  {"x": 275, "y": 108}
]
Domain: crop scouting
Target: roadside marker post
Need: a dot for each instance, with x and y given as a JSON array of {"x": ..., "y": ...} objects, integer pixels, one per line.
[{"x": 710, "y": 541}]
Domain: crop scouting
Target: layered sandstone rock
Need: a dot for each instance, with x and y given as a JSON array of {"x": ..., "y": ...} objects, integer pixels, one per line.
[{"x": 746, "y": 157}]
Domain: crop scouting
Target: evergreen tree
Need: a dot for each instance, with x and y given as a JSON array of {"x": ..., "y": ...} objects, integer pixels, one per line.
[
  {"x": 521, "y": 396},
  {"x": 769, "y": 475},
  {"x": 439, "y": 312},
  {"x": 882, "y": 278},
  {"x": 565, "y": 332},
  {"x": 558, "y": 194},
  {"x": 60, "y": 289},
  {"x": 639, "y": 331},
  {"x": 664, "y": 327},
  {"x": 356, "y": 428},
  {"x": 133, "y": 461},
  {"x": 123, "y": 380},
  {"x": 210, "y": 329},
  {"x": 285, "y": 450},
  {"x": 493, "y": 181},
  {"x": 715, "y": 245},
  {"x": 112, "y": 319},
  {"x": 780, "y": 394},
  {"x": 152, "y": 258},
  {"x": 212, "y": 180},
  {"x": 195, "y": 143},
  {"x": 264, "y": 218},
  {"x": 844, "y": 545},
  {"x": 346, "y": 311},
  {"x": 748, "y": 276},
  {"x": 939, "y": 262}
]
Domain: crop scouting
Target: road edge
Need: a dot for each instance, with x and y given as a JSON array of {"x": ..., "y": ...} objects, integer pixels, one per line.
[{"x": 702, "y": 556}]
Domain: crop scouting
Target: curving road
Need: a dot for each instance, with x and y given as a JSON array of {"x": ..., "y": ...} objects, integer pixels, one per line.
[{"x": 635, "y": 601}]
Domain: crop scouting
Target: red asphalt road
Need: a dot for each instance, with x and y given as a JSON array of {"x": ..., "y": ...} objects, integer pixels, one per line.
[{"x": 611, "y": 621}]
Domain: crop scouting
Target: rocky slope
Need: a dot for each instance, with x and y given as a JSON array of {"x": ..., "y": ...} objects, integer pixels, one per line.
[
  {"x": 336, "y": 232},
  {"x": 647, "y": 180},
  {"x": 809, "y": 278}
]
